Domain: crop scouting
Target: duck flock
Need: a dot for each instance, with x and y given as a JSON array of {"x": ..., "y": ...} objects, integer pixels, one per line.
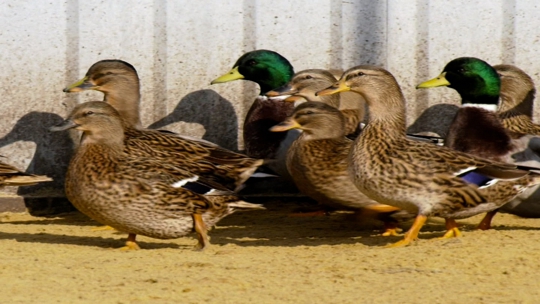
[{"x": 306, "y": 127}]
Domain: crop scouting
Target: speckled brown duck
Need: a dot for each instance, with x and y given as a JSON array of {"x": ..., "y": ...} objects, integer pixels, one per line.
[
  {"x": 415, "y": 176},
  {"x": 11, "y": 176},
  {"x": 306, "y": 83},
  {"x": 119, "y": 81},
  {"x": 516, "y": 100},
  {"x": 318, "y": 162},
  {"x": 477, "y": 127},
  {"x": 132, "y": 193}
]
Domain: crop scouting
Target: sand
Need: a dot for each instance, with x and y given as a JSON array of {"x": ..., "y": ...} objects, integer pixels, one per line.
[{"x": 269, "y": 257}]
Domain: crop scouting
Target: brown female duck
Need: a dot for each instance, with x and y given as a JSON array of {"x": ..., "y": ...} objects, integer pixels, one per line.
[
  {"x": 516, "y": 102},
  {"x": 119, "y": 82},
  {"x": 131, "y": 193},
  {"x": 416, "y": 176},
  {"x": 317, "y": 161},
  {"x": 306, "y": 83},
  {"x": 11, "y": 176}
]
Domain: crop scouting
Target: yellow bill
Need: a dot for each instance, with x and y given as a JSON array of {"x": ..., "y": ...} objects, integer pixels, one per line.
[
  {"x": 79, "y": 86},
  {"x": 286, "y": 125},
  {"x": 233, "y": 74},
  {"x": 438, "y": 81},
  {"x": 336, "y": 88}
]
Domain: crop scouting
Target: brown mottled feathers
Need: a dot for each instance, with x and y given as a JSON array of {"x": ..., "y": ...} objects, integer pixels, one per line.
[
  {"x": 394, "y": 170},
  {"x": 11, "y": 176},
  {"x": 209, "y": 161},
  {"x": 517, "y": 98},
  {"x": 132, "y": 192},
  {"x": 318, "y": 159}
]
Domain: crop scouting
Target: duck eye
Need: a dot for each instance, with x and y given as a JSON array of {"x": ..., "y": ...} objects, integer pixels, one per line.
[
  {"x": 108, "y": 73},
  {"x": 309, "y": 112},
  {"x": 461, "y": 70},
  {"x": 360, "y": 74},
  {"x": 87, "y": 113},
  {"x": 309, "y": 77},
  {"x": 252, "y": 62}
]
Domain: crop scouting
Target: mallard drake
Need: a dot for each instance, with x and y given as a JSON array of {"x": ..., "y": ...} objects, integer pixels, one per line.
[
  {"x": 131, "y": 193},
  {"x": 269, "y": 70},
  {"x": 416, "y": 176},
  {"x": 119, "y": 82},
  {"x": 517, "y": 98},
  {"x": 477, "y": 127},
  {"x": 317, "y": 161},
  {"x": 11, "y": 176},
  {"x": 306, "y": 83}
]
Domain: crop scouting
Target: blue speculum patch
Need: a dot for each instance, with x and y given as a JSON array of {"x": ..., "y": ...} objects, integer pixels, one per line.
[{"x": 478, "y": 179}]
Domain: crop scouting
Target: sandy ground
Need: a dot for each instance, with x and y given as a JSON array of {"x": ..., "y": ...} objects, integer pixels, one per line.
[{"x": 269, "y": 257}]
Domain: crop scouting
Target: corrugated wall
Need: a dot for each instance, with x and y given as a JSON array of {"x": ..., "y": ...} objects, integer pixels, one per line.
[{"x": 178, "y": 47}]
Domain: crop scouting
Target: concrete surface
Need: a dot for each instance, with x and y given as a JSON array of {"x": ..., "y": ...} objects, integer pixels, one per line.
[{"x": 178, "y": 47}]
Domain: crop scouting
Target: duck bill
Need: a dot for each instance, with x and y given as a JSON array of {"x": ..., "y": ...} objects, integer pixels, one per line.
[
  {"x": 336, "y": 88},
  {"x": 281, "y": 91},
  {"x": 286, "y": 125},
  {"x": 233, "y": 74},
  {"x": 293, "y": 98},
  {"x": 64, "y": 125},
  {"x": 79, "y": 86},
  {"x": 439, "y": 81}
]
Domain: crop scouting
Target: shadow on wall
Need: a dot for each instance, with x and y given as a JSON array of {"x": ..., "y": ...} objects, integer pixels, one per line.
[
  {"x": 51, "y": 158},
  {"x": 208, "y": 108},
  {"x": 435, "y": 119}
]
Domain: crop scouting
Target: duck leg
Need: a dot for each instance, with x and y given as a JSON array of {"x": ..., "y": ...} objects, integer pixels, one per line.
[
  {"x": 485, "y": 224},
  {"x": 130, "y": 243},
  {"x": 200, "y": 228},
  {"x": 412, "y": 234},
  {"x": 451, "y": 229},
  {"x": 391, "y": 228}
]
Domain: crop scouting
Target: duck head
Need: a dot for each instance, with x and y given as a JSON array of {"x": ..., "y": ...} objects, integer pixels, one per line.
[
  {"x": 517, "y": 89},
  {"x": 474, "y": 79},
  {"x": 106, "y": 76},
  {"x": 317, "y": 120},
  {"x": 305, "y": 84},
  {"x": 99, "y": 122},
  {"x": 267, "y": 68}
]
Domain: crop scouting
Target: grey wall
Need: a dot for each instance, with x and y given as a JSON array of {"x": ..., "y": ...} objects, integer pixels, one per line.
[{"x": 178, "y": 47}]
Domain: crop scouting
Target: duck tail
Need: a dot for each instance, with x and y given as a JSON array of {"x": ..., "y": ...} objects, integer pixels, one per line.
[
  {"x": 25, "y": 180},
  {"x": 245, "y": 206}
]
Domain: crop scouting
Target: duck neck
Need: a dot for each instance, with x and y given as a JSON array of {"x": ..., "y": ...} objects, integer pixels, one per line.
[
  {"x": 275, "y": 77},
  {"x": 126, "y": 100},
  {"x": 387, "y": 111},
  {"x": 108, "y": 139},
  {"x": 487, "y": 102}
]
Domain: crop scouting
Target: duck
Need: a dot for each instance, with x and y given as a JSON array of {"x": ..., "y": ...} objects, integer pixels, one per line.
[
  {"x": 269, "y": 70},
  {"x": 306, "y": 83},
  {"x": 317, "y": 162},
  {"x": 11, "y": 176},
  {"x": 119, "y": 82},
  {"x": 135, "y": 194},
  {"x": 415, "y": 176},
  {"x": 478, "y": 127},
  {"x": 517, "y": 97}
]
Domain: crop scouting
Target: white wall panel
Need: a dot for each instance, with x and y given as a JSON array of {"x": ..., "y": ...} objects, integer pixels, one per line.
[{"x": 179, "y": 46}]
